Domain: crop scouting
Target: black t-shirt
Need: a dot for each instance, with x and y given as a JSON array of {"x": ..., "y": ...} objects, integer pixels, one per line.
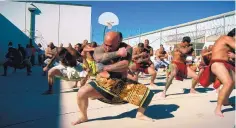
[
  {"x": 148, "y": 49},
  {"x": 23, "y": 53},
  {"x": 14, "y": 55}
]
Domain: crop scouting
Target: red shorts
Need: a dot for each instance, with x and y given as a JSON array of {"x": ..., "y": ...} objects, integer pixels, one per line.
[
  {"x": 202, "y": 65},
  {"x": 207, "y": 77},
  {"x": 141, "y": 69},
  {"x": 182, "y": 70}
]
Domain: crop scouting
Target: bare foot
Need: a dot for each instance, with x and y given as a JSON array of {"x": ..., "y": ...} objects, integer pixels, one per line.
[
  {"x": 143, "y": 117},
  {"x": 48, "y": 92},
  {"x": 162, "y": 94},
  {"x": 193, "y": 91},
  {"x": 219, "y": 113},
  {"x": 227, "y": 103},
  {"x": 92, "y": 98},
  {"x": 75, "y": 86},
  {"x": 152, "y": 84},
  {"x": 79, "y": 121}
]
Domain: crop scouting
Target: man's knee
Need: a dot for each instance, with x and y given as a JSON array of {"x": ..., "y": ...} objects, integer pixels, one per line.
[
  {"x": 173, "y": 71},
  {"x": 151, "y": 71},
  {"x": 52, "y": 72},
  {"x": 83, "y": 92},
  {"x": 229, "y": 83},
  {"x": 196, "y": 77}
]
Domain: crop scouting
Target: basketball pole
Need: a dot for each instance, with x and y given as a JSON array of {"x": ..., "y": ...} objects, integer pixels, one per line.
[{"x": 104, "y": 31}]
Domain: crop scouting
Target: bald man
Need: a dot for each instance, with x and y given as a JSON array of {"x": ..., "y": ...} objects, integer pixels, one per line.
[
  {"x": 221, "y": 68},
  {"x": 111, "y": 85}
]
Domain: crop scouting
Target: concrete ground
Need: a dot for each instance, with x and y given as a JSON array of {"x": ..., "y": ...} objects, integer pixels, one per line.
[{"x": 23, "y": 106}]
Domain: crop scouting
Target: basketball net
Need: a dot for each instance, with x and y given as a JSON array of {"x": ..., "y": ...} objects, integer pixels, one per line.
[{"x": 109, "y": 25}]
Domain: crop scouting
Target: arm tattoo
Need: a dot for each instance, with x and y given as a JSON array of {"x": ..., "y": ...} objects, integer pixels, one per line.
[
  {"x": 101, "y": 57},
  {"x": 117, "y": 67}
]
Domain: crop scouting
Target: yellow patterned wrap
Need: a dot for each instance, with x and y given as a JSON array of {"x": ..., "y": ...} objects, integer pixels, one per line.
[{"x": 118, "y": 91}]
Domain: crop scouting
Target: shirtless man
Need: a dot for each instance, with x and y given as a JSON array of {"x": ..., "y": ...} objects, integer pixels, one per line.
[
  {"x": 111, "y": 84},
  {"x": 179, "y": 69},
  {"x": 142, "y": 63},
  {"x": 61, "y": 70},
  {"x": 50, "y": 51},
  {"x": 161, "y": 56},
  {"x": 222, "y": 69}
]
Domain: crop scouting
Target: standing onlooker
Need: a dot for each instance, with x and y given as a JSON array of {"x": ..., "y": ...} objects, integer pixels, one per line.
[
  {"x": 41, "y": 55},
  {"x": 32, "y": 59},
  {"x": 22, "y": 51},
  {"x": 28, "y": 52}
]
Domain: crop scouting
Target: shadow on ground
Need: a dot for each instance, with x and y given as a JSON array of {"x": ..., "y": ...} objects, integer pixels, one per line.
[
  {"x": 186, "y": 91},
  {"x": 163, "y": 77},
  {"x": 157, "y": 84},
  {"x": 231, "y": 100},
  {"x": 154, "y": 112}
]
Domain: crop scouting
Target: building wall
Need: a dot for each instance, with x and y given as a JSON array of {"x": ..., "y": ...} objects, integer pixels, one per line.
[{"x": 55, "y": 23}]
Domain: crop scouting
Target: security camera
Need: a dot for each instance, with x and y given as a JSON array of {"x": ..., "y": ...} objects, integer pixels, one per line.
[{"x": 32, "y": 7}]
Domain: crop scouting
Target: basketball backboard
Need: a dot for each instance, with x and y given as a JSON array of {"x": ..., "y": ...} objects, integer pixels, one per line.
[{"x": 108, "y": 19}]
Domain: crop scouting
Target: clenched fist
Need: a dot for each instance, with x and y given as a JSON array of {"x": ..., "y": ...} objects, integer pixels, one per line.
[
  {"x": 122, "y": 52},
  {"x": 144, "y": 54}
]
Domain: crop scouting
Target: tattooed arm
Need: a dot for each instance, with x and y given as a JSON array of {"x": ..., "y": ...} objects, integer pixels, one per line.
[
  {"x": 101, "y": 56},
  {"x": 122, "y": 65}
]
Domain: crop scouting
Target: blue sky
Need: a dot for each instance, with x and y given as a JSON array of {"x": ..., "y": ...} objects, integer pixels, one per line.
[{"x": 149, "y": 16}]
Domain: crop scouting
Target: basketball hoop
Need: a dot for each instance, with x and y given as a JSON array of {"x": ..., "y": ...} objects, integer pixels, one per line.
[
  {"x": 109, "y": 25},
  {"x": 108, "y": 19}
]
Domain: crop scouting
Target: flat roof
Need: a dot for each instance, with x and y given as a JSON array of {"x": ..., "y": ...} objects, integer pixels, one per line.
[{"x": 57, "y": 2}]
